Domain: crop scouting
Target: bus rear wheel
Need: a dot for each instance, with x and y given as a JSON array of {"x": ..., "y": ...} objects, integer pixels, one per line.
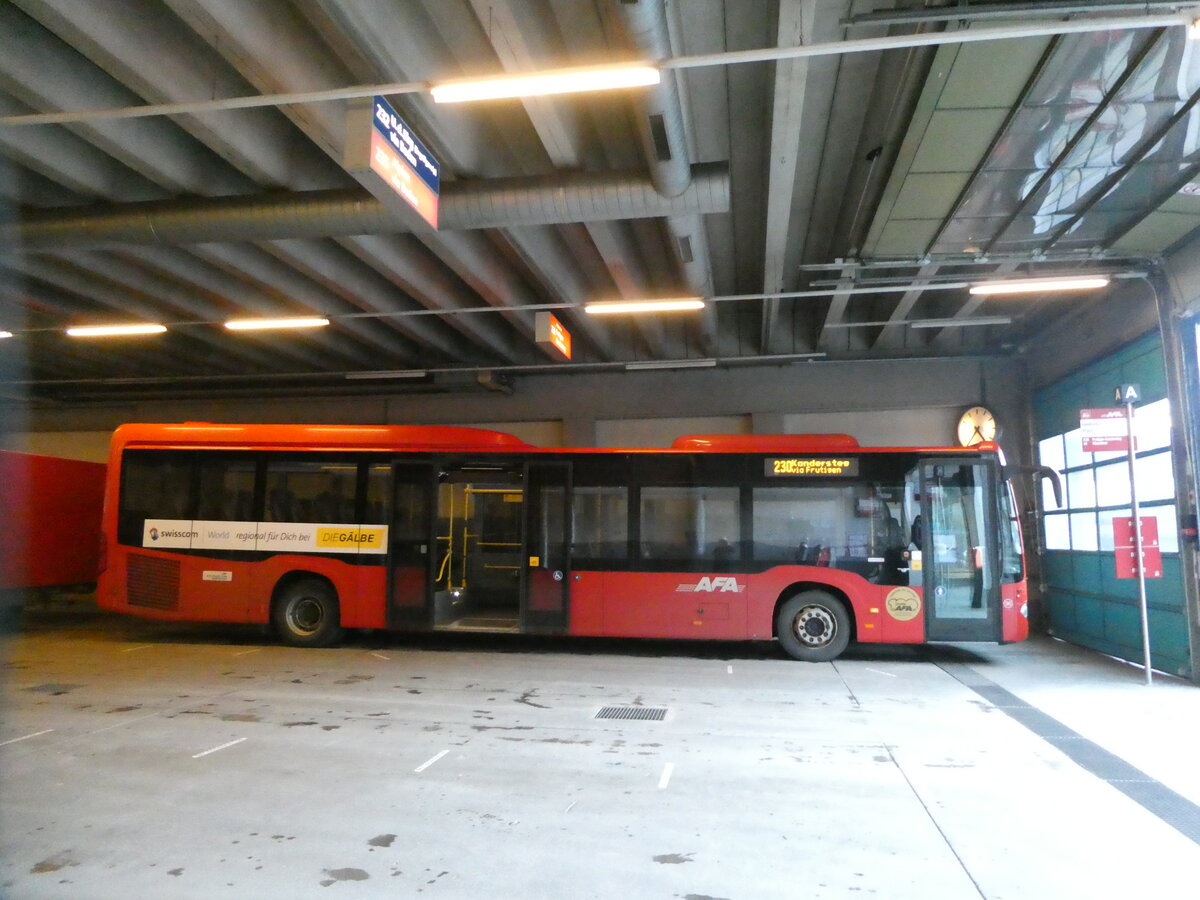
[
  {"x": 813, "y": 626},
  {"x": 306, "y": 614}
]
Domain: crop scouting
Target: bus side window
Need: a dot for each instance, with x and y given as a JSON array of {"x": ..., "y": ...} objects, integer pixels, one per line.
[
  {"x": 379, "y": 492},
  {"x": 226, "y": 485},
  {"x": 311, "y": 490},
  {"x": 688, "y": 524},
  {"x": 600, "y": 522},
  {"x": 154, "y": 485}
]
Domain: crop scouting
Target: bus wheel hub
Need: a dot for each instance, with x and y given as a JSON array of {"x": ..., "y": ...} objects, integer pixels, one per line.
[
  {"x": 815, "y": 626},
  {"x": 305, "y": 616}
]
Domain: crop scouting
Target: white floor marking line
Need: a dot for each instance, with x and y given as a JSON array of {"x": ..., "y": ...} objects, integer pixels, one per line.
[
  {"x": 215, "y": 749},
  {"x": 877, "y": 672},
  {"x": 141, "y": 647},
  {"x": 666, "y": 776},
  {"x": 729, "y": 669},
  {"x": 380, "y": 655},
  {"x": 26, "y": 737},
  {"x": 248, "y": 652},
  {"x": 429, "y": 762}
]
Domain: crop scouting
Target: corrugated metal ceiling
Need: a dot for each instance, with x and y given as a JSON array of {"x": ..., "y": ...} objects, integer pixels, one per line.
[{"x": 894, "y": 168}]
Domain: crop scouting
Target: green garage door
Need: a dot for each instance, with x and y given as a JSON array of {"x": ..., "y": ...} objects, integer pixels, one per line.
[{"x": 1086, "y": 603}]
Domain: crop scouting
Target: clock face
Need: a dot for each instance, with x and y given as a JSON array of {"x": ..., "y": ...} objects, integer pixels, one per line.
[{"x": 976, "y": 425}]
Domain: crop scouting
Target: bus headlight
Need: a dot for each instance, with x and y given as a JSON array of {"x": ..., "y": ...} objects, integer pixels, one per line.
[{"x": 1025, "y": 610}]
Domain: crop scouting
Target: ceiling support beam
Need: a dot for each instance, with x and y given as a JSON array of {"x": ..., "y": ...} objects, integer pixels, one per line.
[
  {"x": 943, "y": 337},
  {"x": 893, "y": 333},
  {"x": 796, "y": 22},
  {"x": 838, "y": 306}
]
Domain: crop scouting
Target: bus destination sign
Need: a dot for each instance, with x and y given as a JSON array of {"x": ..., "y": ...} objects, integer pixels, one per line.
[{"x": 810, "y": 466}]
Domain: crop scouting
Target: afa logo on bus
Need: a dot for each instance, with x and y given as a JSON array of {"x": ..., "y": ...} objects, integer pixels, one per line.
[{"x": 716, "y": 584}]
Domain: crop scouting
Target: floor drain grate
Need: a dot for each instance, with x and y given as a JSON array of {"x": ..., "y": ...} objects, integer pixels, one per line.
[{"x": 645, "y": 713}]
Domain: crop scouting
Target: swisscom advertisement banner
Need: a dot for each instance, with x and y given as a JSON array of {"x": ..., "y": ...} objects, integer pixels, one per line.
[{"x": 189, "y": 534}]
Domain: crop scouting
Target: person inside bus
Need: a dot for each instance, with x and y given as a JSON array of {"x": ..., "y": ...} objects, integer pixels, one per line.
[
  {"x": 723, "y": 553},
  {"x": 329, "y": 504},
  {"x": 281, "y": 505}
]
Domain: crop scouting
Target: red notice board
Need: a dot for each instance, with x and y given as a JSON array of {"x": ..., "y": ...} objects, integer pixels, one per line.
[
  {"x": 1126, "y": 549},
  {"x": 1104, "y": 430}
]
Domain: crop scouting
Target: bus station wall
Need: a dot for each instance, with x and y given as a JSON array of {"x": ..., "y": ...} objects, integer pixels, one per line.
[
  {"x": 893, "y": 402},
  {"x": 88, "y": 446}
]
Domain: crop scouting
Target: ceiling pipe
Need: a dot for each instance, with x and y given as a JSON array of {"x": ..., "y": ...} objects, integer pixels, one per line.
[
  {"x": 663, "y": 134},
  {"x": 496, "y": 203},
  {"x": 660, "y": 127},
  {"x": 975, "y": 12}
]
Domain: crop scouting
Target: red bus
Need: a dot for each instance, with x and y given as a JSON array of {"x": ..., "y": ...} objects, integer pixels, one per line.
[
  {"x": 50, "y": 536},
  {"x": 808, "y": 539}
]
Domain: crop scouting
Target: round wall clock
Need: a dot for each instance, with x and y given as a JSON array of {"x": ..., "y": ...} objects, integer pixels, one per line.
[{"x": 976, "y": 425}]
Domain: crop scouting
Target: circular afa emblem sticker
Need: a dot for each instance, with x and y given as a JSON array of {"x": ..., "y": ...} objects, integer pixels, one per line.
[{"x": 903, "y": 604}]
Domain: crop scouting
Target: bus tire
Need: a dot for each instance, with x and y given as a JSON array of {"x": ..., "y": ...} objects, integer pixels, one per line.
[
  {"x": 813, "y": 626},
  {"x": 306, "y": 614}
]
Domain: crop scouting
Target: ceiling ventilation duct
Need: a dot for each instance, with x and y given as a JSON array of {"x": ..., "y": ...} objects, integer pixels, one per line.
[{"x": 494, "y": 203}]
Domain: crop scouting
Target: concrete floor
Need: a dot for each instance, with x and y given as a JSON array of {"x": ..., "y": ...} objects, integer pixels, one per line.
[{"x": 149, "y": 760}]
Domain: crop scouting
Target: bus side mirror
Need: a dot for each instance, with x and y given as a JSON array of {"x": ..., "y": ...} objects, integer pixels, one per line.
[{"x": 1039, "y": 472}]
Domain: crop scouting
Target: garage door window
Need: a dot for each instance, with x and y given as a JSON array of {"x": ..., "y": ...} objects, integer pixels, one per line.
[{"x": 1097, "y": 485}]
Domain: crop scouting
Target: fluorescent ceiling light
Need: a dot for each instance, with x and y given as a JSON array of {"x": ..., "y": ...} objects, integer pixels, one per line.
[
  {"x": 115, "y": 330},
  {"x": 617, "y": 307},
  {"x": 263, "y": 324},
  {"x": 5, "y": 334},
  {"x": 959, "y": 323},
  {"x": 402, "y": 373},
  {"x": 561, "y": 81},
  {"x": 671, "y": 364},
  {"x": 1042, "y": 285}
]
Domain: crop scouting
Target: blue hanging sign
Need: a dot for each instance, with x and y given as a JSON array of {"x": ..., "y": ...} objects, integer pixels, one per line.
[{"x": 400, "y": 159}]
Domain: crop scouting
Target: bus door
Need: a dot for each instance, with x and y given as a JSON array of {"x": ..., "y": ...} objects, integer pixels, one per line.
[
  {"x": 546, "y": 545},
  {"x": 411, "y": 544},
  {"x": 960, "y": 571},
  {"x": 477, "y": 566}
]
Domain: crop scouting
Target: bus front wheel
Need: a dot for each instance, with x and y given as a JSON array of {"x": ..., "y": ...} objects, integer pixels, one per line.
[
  {"x": 813, "y": 626},
  {"x": 306, "y": 614}
]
